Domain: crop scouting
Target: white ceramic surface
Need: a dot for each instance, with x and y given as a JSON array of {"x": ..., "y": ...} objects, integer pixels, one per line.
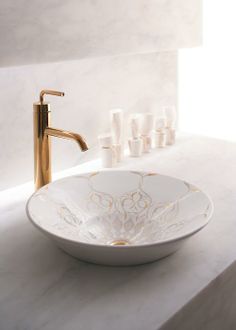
[{"x": 119, "y": 217}]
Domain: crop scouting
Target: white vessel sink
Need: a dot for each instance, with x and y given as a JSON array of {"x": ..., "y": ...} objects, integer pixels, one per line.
[{"x": 119, "y": 217}]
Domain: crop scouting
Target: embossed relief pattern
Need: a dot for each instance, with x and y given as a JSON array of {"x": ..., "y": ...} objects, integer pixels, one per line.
[{"x": 132, "y": 216}]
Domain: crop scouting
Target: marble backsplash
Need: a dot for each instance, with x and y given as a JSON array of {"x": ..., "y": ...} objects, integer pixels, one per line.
[
  {"x": 136, "y": 83},
  {"x": 54, "y": 30}
]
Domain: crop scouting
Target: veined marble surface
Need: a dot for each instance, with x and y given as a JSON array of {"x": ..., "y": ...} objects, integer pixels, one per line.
[
  {"x": 213, "y": 308},
  {"x": 55, "y": 30},
  {"x": 136, "y": 83},
  {"x": 43, "y": 288}
]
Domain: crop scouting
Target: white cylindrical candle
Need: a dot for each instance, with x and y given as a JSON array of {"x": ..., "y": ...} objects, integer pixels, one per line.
[
  {"x": 135, "y": 125},
  {"x": 160, "y": 123},
  {"x": 117, "y": 129},
  {"x": 105, "y": 140},
  {"x": 117, "y": 125},
  {"x": 118, "y": 152},
  {"x": 135, "y": 147},
  {"x": 108, "y": 155},
  {"x": 170, "y": 136},
  {"x": 147, "y": 123},
  {"x": 147, "y": 143},
  {"x": 160, "y": 139}
]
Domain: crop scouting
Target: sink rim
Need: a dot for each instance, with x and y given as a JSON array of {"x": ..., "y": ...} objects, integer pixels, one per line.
[{"x": 110, "y": 246}]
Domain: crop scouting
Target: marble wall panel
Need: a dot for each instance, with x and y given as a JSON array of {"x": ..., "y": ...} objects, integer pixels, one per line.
[
  {"x": 38, "y": 31},
  {"x": 136, "y": 83}
]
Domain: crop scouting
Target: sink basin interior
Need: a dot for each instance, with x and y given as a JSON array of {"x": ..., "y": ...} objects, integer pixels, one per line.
[{"x": 120, "y": 208}]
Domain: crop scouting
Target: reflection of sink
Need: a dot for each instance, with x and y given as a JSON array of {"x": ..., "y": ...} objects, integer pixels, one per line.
[{"x": 119, "y": 217}]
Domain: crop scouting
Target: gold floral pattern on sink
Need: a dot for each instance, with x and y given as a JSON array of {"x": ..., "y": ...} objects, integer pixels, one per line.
[{"x": 131, "y": 214}]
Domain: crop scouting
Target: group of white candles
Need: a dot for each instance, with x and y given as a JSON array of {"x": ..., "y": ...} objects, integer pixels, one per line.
[{"x": 147, "y": 132}]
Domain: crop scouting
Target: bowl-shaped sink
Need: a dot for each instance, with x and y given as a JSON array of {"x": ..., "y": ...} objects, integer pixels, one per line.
[{"x": 119, "y": 217}]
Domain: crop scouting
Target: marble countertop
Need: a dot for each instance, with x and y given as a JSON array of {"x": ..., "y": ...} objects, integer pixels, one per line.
[{"x": 43, "y": 288}]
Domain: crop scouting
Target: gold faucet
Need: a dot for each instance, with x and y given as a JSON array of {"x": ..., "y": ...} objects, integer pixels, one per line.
[{"x": 42, "y": 143}]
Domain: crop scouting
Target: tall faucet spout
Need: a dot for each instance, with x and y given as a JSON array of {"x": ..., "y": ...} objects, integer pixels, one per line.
[
  {"x": 42, "y": 139},
  {"x": 67, "y": 135}
]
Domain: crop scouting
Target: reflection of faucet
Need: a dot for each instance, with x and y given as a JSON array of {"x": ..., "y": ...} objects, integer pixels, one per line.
[{"x": 42, "y": 145}]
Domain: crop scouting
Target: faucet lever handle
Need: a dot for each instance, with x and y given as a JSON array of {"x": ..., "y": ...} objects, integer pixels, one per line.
[{"x": 49, "y": 92}]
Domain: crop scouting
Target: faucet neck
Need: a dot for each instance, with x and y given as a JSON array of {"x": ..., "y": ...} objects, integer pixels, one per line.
[
  {"x": 42, "y": 142},
  {"x": 42, "y": 145}
]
